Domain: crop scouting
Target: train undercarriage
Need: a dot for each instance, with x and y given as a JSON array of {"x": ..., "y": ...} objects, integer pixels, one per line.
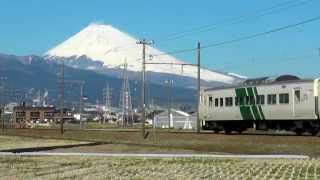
[{"x": 298, "y": 126}]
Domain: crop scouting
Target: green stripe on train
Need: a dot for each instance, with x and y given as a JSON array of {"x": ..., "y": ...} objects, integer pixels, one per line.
[
  {"x": 249, "y": 112},
  {"x": 261, "y": 112},
  {"x": 245, "y": 111},
  {"x": 253, "y": 107},
  {"x": 256, "y": 112},
  {"x": 241, "y": 92},
  {"x": 253, "y": 92},
  {"x": 259, "y": 106}
]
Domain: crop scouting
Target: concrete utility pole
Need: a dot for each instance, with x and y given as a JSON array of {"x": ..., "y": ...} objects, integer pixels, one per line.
[
  {"x": 198, "y": 88},
  {"x": 81, "y": 104},
  {"x": 62, "y": 97},
  {"x": 170, "y": 85},
  {"x": 198, "y": 81},
  {"x": 144, "y": 42},
  {"x": 82, "y": 97},
  {"x": 2, "y": 107}
]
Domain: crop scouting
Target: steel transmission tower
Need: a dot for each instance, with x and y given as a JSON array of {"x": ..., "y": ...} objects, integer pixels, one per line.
[
  {"x": 107, "y": 97},
  {"x": 125, "y": 99},
  {"x": 106, "y": 92}
]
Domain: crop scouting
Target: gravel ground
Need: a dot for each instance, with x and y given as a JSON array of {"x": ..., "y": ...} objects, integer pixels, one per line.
[{"x": 54, "y": 167}]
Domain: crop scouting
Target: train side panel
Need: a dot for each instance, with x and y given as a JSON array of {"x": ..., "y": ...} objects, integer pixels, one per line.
[{"x": 285, "y": 105}]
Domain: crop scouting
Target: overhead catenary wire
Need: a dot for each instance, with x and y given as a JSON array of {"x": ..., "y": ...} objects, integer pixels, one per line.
[
  {"x": 281, "y": 60},
  {"x": 242, "y": 38},
  {"x": 236, "y": 20},
  {"x": 279, "y": 7}
]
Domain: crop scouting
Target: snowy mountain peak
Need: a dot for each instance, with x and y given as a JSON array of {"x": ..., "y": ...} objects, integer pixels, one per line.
[{"x": 113, "y": 47}]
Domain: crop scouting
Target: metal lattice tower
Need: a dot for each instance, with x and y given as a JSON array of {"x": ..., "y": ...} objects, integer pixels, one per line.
[
  {"x": 125, "y": 99},
  {"x": 106, "y": 93},
  {"x": 107, "y": 97}
]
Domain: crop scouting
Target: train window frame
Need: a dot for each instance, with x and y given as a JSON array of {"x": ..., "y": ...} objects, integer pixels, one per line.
[
  {"x": 216, "y": 102},
  {"x": 229, "y": 101},
  {"x": 272, "y": 99},
  {"x": 205, "y": 102},
  {"x": 260, "y": 99},
  {"x": 236, "y": 101},
  {"x": 246, "y": 100},
  {"x": 210, "y": 101},
  {"x": 251, "y": 100},
  {"x": 297, "y": 95},
  {"x": 221, "y": 102},
  {"x": 284, "y": 98},
  {"x": 241, "y": 101}
]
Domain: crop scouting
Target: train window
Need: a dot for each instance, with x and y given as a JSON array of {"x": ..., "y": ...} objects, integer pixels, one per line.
[
  {"x": 241, "y": 101},
  {"x": 210, "y": 101},
  {"x": 221, "y": 102},
  {"x": 297, "y": 96},
  {"x": 216, "y": 102},
  {"x": 251, "y": 100},
  {"x": 246, "y": 100},
  {"x": 260, "y": 99},
  {"x": 284, "y": 98},
  {"x": 229, "y": 101},
  {"x": 236, "y": 101},
  {"x": 272, "y": 99}
]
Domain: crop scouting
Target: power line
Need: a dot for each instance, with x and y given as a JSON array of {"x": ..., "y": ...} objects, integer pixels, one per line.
[
  {"x": 243, "y": 38},
  {"x": 281, "y": 60},
  {"x": 236, "y": 20},
  {"x": 231, "y": 21},
  {"x": 264, "y": 33}
]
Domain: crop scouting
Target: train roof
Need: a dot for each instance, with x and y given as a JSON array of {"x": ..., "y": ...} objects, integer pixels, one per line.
[{"x": 264, "y": 81}]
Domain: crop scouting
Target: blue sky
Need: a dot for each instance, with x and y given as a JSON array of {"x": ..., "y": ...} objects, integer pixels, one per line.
[{"x": 34, "y": 26}]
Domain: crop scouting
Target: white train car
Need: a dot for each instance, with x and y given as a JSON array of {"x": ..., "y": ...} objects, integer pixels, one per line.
[{"x": 284, "y": 103}]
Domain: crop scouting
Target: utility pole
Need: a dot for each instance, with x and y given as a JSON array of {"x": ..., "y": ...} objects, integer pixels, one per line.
[
  {"x": 198, "y": 80},
  {"x": 169, "y": 86},
  {"x": 81, "y": 104},
  {"x": 62, "y": 97},
  {"x": 2, "y": 79},
  {"x": 82, "y": 97},
  {"x": 198, "y": 88},
  {"x": 144, "y": 42}
]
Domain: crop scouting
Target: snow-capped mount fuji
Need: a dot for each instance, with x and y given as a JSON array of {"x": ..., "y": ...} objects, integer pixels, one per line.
[{"x": 104, "y": 48}]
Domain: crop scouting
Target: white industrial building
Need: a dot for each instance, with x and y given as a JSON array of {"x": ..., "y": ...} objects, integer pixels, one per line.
[{"x": 178, "y": 120}]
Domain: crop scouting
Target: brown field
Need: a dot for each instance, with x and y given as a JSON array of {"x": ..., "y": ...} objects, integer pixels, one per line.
[
  {"x": 44, "y": 167},
  {"x": 200, "y": 143},
  {"x": 12, "y": 142}
]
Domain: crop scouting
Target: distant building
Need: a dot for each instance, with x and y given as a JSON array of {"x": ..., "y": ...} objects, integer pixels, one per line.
[
  {"x": 178, "y": 120},
  {"x": 27, "y": 117}
]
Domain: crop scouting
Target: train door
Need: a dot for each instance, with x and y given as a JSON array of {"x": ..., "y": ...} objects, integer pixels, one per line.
[{"x": 297, "y": 110}]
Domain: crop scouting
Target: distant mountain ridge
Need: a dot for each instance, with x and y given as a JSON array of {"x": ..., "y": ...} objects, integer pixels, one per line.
[
  {"x": 34, "y": 72},
  {"x": 103, "y": 48}
]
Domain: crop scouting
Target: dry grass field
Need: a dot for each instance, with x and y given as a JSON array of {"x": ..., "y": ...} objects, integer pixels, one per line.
[
  {"x": 78, "y": 167},
  {"x": 16, "y": 167},
  {"x": 12, "y": 142},
  {"x": 206, "y": 142}
]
